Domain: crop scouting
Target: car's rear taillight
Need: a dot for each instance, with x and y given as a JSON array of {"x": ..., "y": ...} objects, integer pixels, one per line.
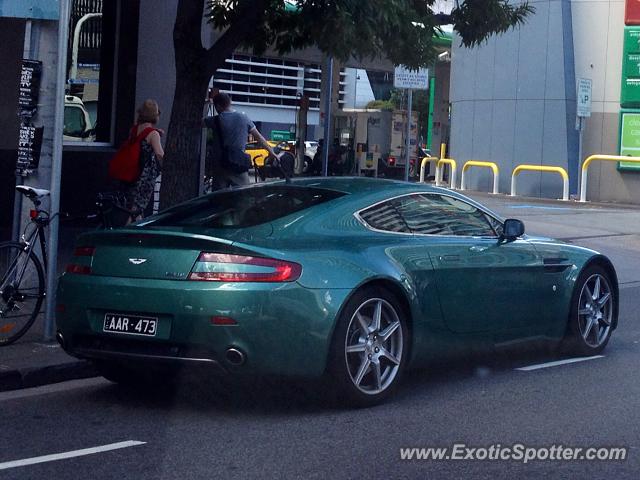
[
  {"x": 221, "y": 267},
  {"x": 392, "y": 161},
  {"x": 81, "y": 263}
]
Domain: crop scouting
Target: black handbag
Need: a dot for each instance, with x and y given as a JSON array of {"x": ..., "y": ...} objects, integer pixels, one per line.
[{"x": 232, "y": 159}]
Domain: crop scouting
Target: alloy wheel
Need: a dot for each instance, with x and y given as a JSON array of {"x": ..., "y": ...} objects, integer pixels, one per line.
[
  {"x": 595, "y": 310},
  {"x": 373, "y": 346}
]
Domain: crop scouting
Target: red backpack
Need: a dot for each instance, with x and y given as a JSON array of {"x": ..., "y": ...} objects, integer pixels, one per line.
[{"x": 125, "y": 164}]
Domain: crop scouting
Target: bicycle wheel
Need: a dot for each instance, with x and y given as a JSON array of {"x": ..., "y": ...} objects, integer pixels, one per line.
[{"x": 21, "y": 291}]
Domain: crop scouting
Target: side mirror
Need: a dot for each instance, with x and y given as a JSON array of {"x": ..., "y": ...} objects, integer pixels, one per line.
[{"x": 512, "y": 229}]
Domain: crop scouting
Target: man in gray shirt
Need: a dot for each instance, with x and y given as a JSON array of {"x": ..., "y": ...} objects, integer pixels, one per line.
[{"x": 234, "y": 128}]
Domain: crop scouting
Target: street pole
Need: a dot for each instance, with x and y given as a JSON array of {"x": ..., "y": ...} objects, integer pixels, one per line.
[
  {"x": 580, "y": 139},
  {"x": 56, "y": 171},
  {"x": 327, "y": 115},
  {"x": 20, "y": 175},
  {"x": 408, "y": 139},
  {"x": 432, "y": 101}
]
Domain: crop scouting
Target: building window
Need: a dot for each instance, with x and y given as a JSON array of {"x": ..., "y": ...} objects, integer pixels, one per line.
[{"x": 272, "y": 82}]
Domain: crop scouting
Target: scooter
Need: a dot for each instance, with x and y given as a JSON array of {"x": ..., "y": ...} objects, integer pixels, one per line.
[{"x": 275, "y": 168}]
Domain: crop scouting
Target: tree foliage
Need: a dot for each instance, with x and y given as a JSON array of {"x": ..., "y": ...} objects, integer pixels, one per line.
[
  {"x": 401, "y": 30},
  {"x": 476, "y": 20}
]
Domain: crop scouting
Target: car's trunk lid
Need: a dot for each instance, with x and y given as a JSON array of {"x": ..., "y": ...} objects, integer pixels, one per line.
[{"x": 165, "y": 255}]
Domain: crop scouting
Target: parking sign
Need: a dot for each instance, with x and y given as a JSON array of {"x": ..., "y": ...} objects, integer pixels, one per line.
[
  {"x": 584, "y": 97},
  {"x": 414, "y": 79}
]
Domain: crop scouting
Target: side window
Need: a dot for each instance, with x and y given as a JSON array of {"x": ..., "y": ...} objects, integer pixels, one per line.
[
  {"x": 385, "y": 216},
  {"x": 427, "y": 214},
  {"x": 497, "y": 226}
]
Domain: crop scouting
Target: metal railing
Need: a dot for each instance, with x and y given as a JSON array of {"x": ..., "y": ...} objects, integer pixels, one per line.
[
  {"x": 606, "y": 158},
  {"x": 439, "y": 171},
  {"x": 423, "y": 166},
  {"x": 477, "y": 163},
  {"x": 542, "y": 168}
]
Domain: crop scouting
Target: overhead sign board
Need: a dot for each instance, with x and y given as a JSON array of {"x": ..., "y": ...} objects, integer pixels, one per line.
[
  {"x": 414, "y": 79},
  {"x": 630, "y": 91},
  {"x": 33, "y": 9},
  {"x": 629, "y": 139},
  {"x": 584, "y": 97},
  {"x": 632, "y": 12}
]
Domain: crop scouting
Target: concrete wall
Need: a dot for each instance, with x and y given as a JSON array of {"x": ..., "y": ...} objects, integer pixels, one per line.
[
  {"x": 441, "y": 124},
  {"x": 510, "y": 105},
  {"x": 156, "y": 71},
  {"x": 514, "y": 99},
  {"x": 11, "y": 38}
]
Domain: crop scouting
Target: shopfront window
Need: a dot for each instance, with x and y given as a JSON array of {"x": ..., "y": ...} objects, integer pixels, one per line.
[{"x": 87, "y": 110}]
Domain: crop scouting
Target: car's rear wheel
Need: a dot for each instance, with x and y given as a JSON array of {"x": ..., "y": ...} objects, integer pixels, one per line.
[
  {"x": 592, "y": 315},
  {"x": 369, "y": 349}
]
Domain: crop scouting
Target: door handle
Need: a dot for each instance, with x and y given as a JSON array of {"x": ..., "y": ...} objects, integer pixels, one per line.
[
  {"x": 450, "y": 258},
  {"x": 477, "y": 249}
]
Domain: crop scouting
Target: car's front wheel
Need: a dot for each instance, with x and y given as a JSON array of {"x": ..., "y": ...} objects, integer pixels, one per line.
[
  {"x": 369, "y": 349},
  {"x": 592, "y": 315}
]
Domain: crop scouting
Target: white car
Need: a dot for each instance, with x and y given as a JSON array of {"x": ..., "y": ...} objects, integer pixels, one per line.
[{"x": 77, "y": 121}]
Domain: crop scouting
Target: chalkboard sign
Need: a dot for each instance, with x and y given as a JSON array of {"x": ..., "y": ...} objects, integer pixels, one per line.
[
  {"x": 29, "y": 147},
  {"x": 30, "y": 75}
]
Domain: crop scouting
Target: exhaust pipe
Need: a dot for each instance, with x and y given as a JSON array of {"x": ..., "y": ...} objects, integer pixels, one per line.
[
  {"x": 235, "y": 357},
  {"x": 60, "y": 338}
]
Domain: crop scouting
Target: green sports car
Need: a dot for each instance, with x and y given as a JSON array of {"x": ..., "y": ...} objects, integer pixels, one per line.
[{"x": 354, "y": 279}]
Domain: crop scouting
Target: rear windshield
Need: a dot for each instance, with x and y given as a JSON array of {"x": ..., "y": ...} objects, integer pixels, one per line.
[{"x": 243, "y": 208}]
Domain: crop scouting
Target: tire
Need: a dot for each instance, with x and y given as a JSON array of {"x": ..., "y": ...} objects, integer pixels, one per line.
[
  {"x": 364, "y": 367},
  {"x": 307, "y": 166},
  {"x": 20, "y": 301},
  {"x": 593, "y": 313}
]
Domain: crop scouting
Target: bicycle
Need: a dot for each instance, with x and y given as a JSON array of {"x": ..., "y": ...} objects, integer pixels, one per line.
[{"x": 22, "y": 274}]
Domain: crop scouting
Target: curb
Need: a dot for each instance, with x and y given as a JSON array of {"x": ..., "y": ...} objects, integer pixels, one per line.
[{"x": 39, "y": 376}]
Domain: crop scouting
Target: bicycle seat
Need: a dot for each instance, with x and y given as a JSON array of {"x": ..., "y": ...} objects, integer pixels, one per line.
[{"x": 32, "y": 192}]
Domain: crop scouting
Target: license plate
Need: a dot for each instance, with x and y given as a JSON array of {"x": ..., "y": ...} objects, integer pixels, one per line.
[{"x": 131, "y": 324}]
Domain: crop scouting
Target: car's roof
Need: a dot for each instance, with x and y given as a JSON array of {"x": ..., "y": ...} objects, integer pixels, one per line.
[
  {"x": 370, "y": 190},
  {"x": 358, "y": 185}
]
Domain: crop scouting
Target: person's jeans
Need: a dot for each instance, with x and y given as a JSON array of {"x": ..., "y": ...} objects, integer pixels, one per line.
[{"x": 223, "y": 178}]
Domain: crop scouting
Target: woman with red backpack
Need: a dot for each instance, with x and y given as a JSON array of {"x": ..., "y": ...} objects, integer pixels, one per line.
[{"x": 139, "y": 161}]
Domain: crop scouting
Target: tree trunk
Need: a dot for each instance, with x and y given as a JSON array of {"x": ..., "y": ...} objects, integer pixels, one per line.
[
  {"x": 194, "y": 68},
  {"x": 181, "y": 166}
]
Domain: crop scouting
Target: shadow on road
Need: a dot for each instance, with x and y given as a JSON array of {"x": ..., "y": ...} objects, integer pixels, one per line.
[{"x": 199, "y": 392}]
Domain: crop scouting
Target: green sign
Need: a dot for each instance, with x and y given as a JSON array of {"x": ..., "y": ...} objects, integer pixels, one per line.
[
  {"x": 281, "y": 135},
  {"x": 630, "y": 95},
  {"x": 629, "y": 139}
]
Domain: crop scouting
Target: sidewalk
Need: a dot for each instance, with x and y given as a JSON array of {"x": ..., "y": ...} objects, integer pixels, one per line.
[
  {"x": 610, "y": 228},
  {"x": 31, "y": 363}
]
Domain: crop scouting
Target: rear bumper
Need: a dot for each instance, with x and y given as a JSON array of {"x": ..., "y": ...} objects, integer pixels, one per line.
[
  {"x": 282, "y": 329},
  {"x": 109, "y": 349}
]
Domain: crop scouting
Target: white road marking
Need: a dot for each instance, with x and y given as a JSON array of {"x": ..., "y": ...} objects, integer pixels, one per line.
[
  {"x": 557, "y": 363},
  {"x": 74, "y": 453}
]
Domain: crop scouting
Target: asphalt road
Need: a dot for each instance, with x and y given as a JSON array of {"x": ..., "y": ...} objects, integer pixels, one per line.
[{"x": 284, "y": 431}]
